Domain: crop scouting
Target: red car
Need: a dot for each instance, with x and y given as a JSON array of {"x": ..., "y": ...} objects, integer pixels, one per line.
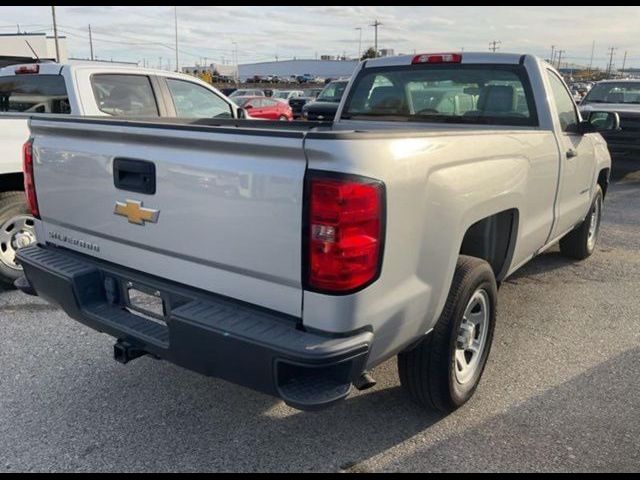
[{"x": 265, "y": 108}]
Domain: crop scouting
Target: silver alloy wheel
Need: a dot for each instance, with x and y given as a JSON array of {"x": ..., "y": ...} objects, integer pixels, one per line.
[
  {"x": 594, "y": 226},
  {"x": 472, "y": 337},
  {"x": 18, "y": 232}
]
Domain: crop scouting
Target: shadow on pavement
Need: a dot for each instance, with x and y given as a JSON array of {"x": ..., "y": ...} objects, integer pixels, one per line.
[
  {"x": 209, "y": 425},
  {"x": 557, "y": 430},
  {"x": 626, "y": 169}
]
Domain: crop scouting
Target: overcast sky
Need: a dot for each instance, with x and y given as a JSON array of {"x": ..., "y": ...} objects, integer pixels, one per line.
[{"x": 264, "y": 32}]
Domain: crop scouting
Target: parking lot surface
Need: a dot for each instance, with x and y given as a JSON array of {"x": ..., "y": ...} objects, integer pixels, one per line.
[{"x": 561, "y": 392}]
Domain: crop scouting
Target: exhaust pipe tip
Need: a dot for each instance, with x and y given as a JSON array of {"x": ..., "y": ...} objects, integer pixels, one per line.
[{"x": 365, "y": 382}]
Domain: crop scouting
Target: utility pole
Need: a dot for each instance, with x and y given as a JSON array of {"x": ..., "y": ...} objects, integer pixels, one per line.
[
  {"x": 553, "y": 54},
  {"x": 236, "y": 62},
  {"x": 55, "y": 33},
  {"x": 175, "y": 10},
  {"x": 376, "y": 25},
  {"x": 624, "y": 63},
  {"x": 359, "y": 29},
  {"x": 593, "y": 55},
  {"x": 91, "y": 43},
  {"x": 560, "y": 55},
  {"x": 495, "y": 46},
  {"x": 612, "y": 53}
]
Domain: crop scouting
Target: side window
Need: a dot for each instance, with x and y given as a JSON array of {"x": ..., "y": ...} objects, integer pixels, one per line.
[
  {"x": 194, "y": 101},
  {"x": 125, "y": 95},
  {"x": 567, "y": 112}
]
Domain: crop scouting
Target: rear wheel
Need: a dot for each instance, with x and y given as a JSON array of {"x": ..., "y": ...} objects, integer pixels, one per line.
[
  {"x": 17, "y": 230},
  {"x": 444, "y": 370},
  {"x": 582, "y": 242}
]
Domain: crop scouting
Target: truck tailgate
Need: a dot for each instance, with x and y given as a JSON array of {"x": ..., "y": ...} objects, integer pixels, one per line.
[{"x": 226, "y": 216}]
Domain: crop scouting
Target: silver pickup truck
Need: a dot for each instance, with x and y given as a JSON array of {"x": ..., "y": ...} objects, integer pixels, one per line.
[{"x": 293, "y": 259}]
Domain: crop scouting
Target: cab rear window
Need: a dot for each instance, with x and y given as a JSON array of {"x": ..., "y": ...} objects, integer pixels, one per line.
[
  {"x": 464, "y": 94},
  {"x": 34, "y": 94}
]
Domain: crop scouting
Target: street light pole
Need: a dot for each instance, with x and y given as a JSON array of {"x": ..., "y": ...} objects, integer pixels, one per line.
[
  {"x": 55, "y": 33},
  {"x": 360, "y": 43},
  {"x": 376, "y": 25}
]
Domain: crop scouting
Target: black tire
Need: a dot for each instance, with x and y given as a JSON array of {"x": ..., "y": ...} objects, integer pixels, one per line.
[
  {"x": 579, "y": 244},
  {"x": 12, "y": 204},
  {"x": 428, "y": 371}
]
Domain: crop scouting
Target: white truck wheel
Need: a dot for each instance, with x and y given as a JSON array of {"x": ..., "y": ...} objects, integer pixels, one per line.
[
  {"x": 443, "y": 371},
  {"x": 582, "y": 242},
  {"x": 16, "y": 231}
]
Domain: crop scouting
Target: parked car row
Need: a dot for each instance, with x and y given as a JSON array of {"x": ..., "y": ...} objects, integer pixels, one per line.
[
  {"x": 275, "y": 79},
  {"x": 621, "y": 97}
]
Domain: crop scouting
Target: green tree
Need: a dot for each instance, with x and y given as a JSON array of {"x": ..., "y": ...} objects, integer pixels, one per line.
[{"x": 370, "y": 53}]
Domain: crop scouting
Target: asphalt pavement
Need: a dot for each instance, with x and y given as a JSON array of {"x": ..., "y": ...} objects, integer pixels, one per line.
[{"x": 561, "y": 392}]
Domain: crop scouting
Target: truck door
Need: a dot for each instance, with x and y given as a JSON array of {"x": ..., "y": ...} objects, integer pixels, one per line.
[{"x": 577, "y": 163}]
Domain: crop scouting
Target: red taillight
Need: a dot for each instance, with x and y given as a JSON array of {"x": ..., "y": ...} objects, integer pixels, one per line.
[
  {"x": 437, "y": 59},
  {"x": 346, "y": 228},
  {"x": 29, "y": 179},
  {"x": 28, "y": 70}
]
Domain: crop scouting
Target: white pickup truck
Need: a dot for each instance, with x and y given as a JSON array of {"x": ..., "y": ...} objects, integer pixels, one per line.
[
  {"x": 293, "y": 259},
  {"x": 81, "y": 90}
]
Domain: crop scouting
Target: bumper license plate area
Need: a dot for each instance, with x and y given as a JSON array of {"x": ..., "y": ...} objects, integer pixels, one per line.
[{"x": 146, "y": 303}]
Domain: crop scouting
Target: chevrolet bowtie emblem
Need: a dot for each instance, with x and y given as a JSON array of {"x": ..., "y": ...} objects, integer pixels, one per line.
[{"x": 136, "y": 214}]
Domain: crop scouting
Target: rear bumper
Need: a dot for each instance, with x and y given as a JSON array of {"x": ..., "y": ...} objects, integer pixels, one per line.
[{"x": 204, "y": 333}]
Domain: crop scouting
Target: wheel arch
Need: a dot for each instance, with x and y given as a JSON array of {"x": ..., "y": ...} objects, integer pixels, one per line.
[
  {"x": 493, "y": 239},
  {"x": 11, "y": 182},
  {"x": 604, "y": 180}
]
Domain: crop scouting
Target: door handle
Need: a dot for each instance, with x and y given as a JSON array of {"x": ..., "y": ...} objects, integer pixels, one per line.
[
  {"x": 571, "y": 154},
  {"x": 135, "y": 176}
]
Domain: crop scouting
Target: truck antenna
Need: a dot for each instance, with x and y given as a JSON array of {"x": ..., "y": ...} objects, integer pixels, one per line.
[{"x": 35, "y": 54}]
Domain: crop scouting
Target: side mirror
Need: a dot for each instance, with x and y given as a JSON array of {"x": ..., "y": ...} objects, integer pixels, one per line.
[
  {"x": 242, "y": 114},
  {"x": 248, "y": 107},
  {"x": 600, "y": 122}
]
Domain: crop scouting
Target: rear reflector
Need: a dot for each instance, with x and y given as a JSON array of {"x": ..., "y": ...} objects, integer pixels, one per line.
[
  {"x": 346, "y": 233},
  {"x": 28, "y": 70},
  {"x": 29, "y": 179},
  {"x": 437, "y": 58}
]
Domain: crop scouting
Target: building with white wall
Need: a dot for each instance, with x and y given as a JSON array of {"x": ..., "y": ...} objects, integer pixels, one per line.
[{"x": 32, "y": 45}]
